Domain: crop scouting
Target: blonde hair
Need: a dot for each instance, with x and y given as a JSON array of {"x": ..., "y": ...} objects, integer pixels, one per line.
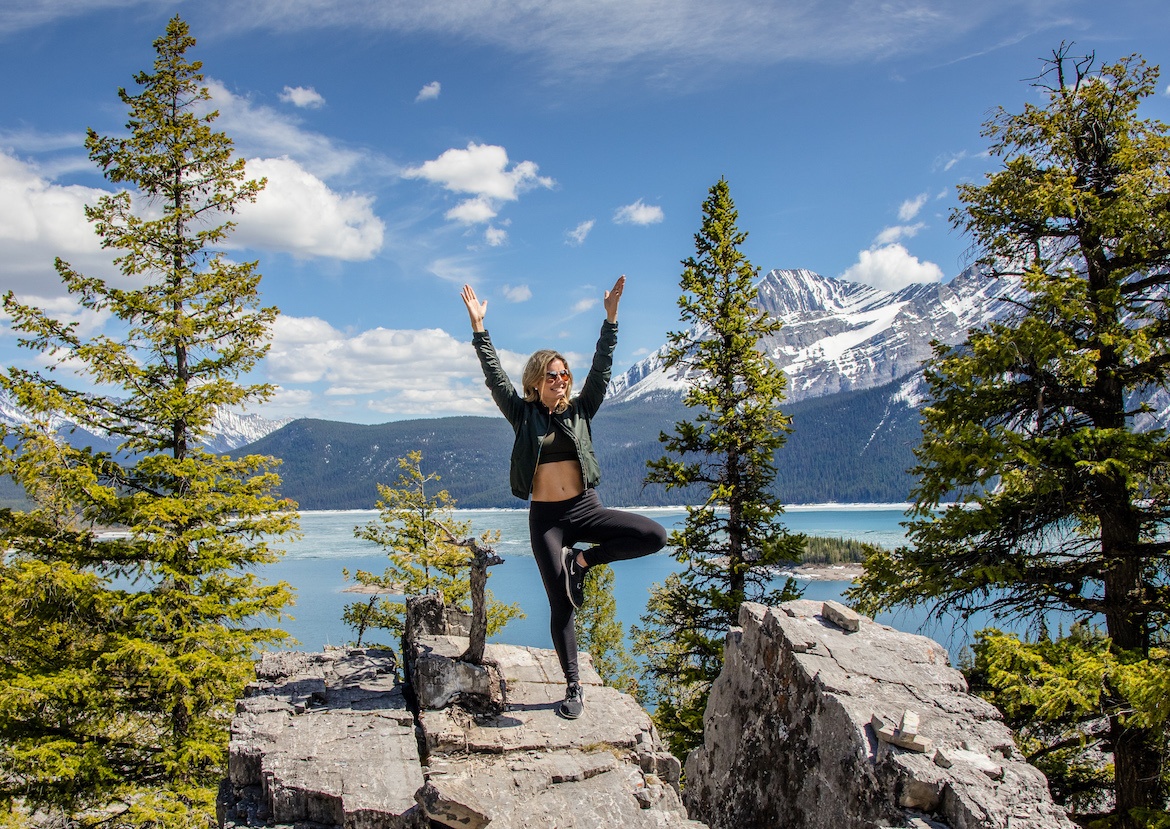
[{"x": 534, "y": 373}]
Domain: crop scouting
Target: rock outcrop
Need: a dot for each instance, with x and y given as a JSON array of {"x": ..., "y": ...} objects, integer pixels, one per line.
[
  {"x": 526, "y": 766},
  {"x": 323, "y": 739},
  {"x": 822, "y": 719},
  {"x": 328, "y": 740}
]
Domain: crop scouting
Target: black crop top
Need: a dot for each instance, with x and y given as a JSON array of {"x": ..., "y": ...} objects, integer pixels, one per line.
[{"x": 556, "y": 445}]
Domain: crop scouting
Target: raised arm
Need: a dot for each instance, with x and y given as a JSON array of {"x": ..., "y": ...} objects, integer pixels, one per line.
[
  {"x": 593, "y": 389},
  {"x": 476, "y": 310},
  {"x": 613, "y": 297},
  {"x": 503, "y": 392}
]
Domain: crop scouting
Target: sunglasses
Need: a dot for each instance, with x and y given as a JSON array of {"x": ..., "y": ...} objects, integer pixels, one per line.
[{"x": 551, "y": 376}]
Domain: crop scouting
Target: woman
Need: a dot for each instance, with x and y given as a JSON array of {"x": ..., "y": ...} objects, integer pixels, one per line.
[{"x": 555, "y": 469}]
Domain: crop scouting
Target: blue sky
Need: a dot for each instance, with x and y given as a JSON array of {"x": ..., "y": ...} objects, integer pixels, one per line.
[{"x": 536, "y": 151}]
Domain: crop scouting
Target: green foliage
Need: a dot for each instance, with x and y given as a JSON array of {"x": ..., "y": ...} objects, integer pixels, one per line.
[
  {"x": 1059, "y": 695},
  {"x": 732, "y": 538},
  {"x": 422, "y": 538},
  {"x": 823, "y": 550},
  {"x": 600, "y": 633},
  {"x": 123, "y": 656},
  {"x": 1060, "y": 502}
]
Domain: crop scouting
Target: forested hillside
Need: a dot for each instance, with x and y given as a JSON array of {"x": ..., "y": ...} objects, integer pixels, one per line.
[{"x": 849, "y": 447}]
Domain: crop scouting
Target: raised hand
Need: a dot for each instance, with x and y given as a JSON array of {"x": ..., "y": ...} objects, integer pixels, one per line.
[
  {"x": 612, "y": 297},
  {"x": 476, "y": 310}
]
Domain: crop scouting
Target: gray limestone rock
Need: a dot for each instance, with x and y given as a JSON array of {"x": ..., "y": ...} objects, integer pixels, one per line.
[
  {"x": 790, "y": 738},
  {"x": 528, "y": 767},
  {"x": 324, "y": 739}
]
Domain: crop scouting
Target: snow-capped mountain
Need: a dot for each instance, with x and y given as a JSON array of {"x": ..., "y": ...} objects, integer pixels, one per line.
[
  {"x": 845, "y": 336},
  {"x": 229, "y": 430}
]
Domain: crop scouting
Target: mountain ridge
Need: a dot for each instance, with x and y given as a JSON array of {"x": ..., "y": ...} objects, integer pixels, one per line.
[
  {"x": 852, "y": 353},
  {"x": 847, "y": 336}
]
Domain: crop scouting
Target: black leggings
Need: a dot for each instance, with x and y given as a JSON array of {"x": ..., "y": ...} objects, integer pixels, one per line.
[{"x": 618, "y": 535}]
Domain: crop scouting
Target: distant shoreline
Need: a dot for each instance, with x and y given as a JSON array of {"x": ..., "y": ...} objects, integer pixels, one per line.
[{"x": 823, "y": 572}]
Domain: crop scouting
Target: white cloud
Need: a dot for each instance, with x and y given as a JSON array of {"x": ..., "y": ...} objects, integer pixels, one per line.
[
  {"x": 297, "y": 213},
  {"x": 517, "y": 293},
  {"x": 896, "y": 232},
  {"x": 399, "y": 372},
  {"x": 303, "y": 96},
  {"x": 638, "y": 213},
  {"x": 429, "y": 92},
  {"x": 890, "y": 268},
  {"x": 910, "y": 207},
  {"x": 582, "y": 305},
  {"x": 495, "y": 236},
  {"x": 482, "y": 170},
  {"x": 577, "y": 235},
  {"x": 41, "y": 220},
  {"x": 473, "y": 211}
]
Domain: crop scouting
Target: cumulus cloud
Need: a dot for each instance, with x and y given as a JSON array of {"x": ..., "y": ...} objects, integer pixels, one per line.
[
  {"x": 429, "y": 92},
  {"x": 481, "y": 169},
  {"x": 638, "y": 213},
  {"x": 909, "y": 208},
  {"x": 297, "y": 213},
  {"x": 517, "y": 293},
  {"x": 483, "y": 172},
  {"x": 41, "y": 220},
  {"x": 473, "y": 211},
  {"x": 896, "y": 232},
  {"x": 576, "y": 236},
  {"x": 582, "y": 305},
  {"x": 399, "y": 372},
  {"x": 303, "y": 96},
  {"x": 891, "y": 267}
]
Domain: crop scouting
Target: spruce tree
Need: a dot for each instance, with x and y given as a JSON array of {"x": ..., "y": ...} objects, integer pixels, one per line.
[
  {"x": 600, "y": 633},
  {"x": 1043, "y": 486},
  {"x": 732, "y": 541},
  {"x": 123, "y": 654},
  {"x": 421, "y": 535}
]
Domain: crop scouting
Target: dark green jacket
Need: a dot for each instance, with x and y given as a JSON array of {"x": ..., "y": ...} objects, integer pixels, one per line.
[{"x": 531, "y": 421}]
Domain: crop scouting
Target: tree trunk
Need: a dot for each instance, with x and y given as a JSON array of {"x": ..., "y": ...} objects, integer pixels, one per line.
[{"x": 482, "y": 558}]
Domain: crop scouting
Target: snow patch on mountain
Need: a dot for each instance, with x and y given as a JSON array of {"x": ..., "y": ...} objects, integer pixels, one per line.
[
  {"x": 229, "y": 429},
  {"x": 845, "y": 336}
]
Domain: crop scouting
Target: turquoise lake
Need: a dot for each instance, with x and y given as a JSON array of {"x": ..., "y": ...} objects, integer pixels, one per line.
[{"x": 313, "y": 565}]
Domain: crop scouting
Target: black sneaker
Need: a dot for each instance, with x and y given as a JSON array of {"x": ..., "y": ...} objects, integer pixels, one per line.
[
  {"x": 574, "y": 702},
  {"x": 574, "y": 578}
]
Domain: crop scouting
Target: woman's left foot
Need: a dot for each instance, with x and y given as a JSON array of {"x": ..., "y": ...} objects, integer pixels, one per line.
[
  {"x": 574, "y": 702},
  {"x": 574, "y": 578}
]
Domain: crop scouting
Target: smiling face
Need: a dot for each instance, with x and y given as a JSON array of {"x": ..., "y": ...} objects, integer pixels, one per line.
[{"x": 555, "y": 383}]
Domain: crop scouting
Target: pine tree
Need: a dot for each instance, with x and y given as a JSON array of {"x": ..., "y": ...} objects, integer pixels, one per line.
[
  {"x": 123, "y": 655},
  {"x": 1038, "y": 491},
  {"x": 600, "y": 633},
  {"x": 730, "y": 543},
  {"x": 421, "y": 536}
]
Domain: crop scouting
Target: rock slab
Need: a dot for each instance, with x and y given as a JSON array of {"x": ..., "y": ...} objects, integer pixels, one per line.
[
  {"x": 323, "y": 739},
  {"x": 528, "y": 767},
  {"x": 791, "y": 734},
  {"x": 328, "y": 741}
]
